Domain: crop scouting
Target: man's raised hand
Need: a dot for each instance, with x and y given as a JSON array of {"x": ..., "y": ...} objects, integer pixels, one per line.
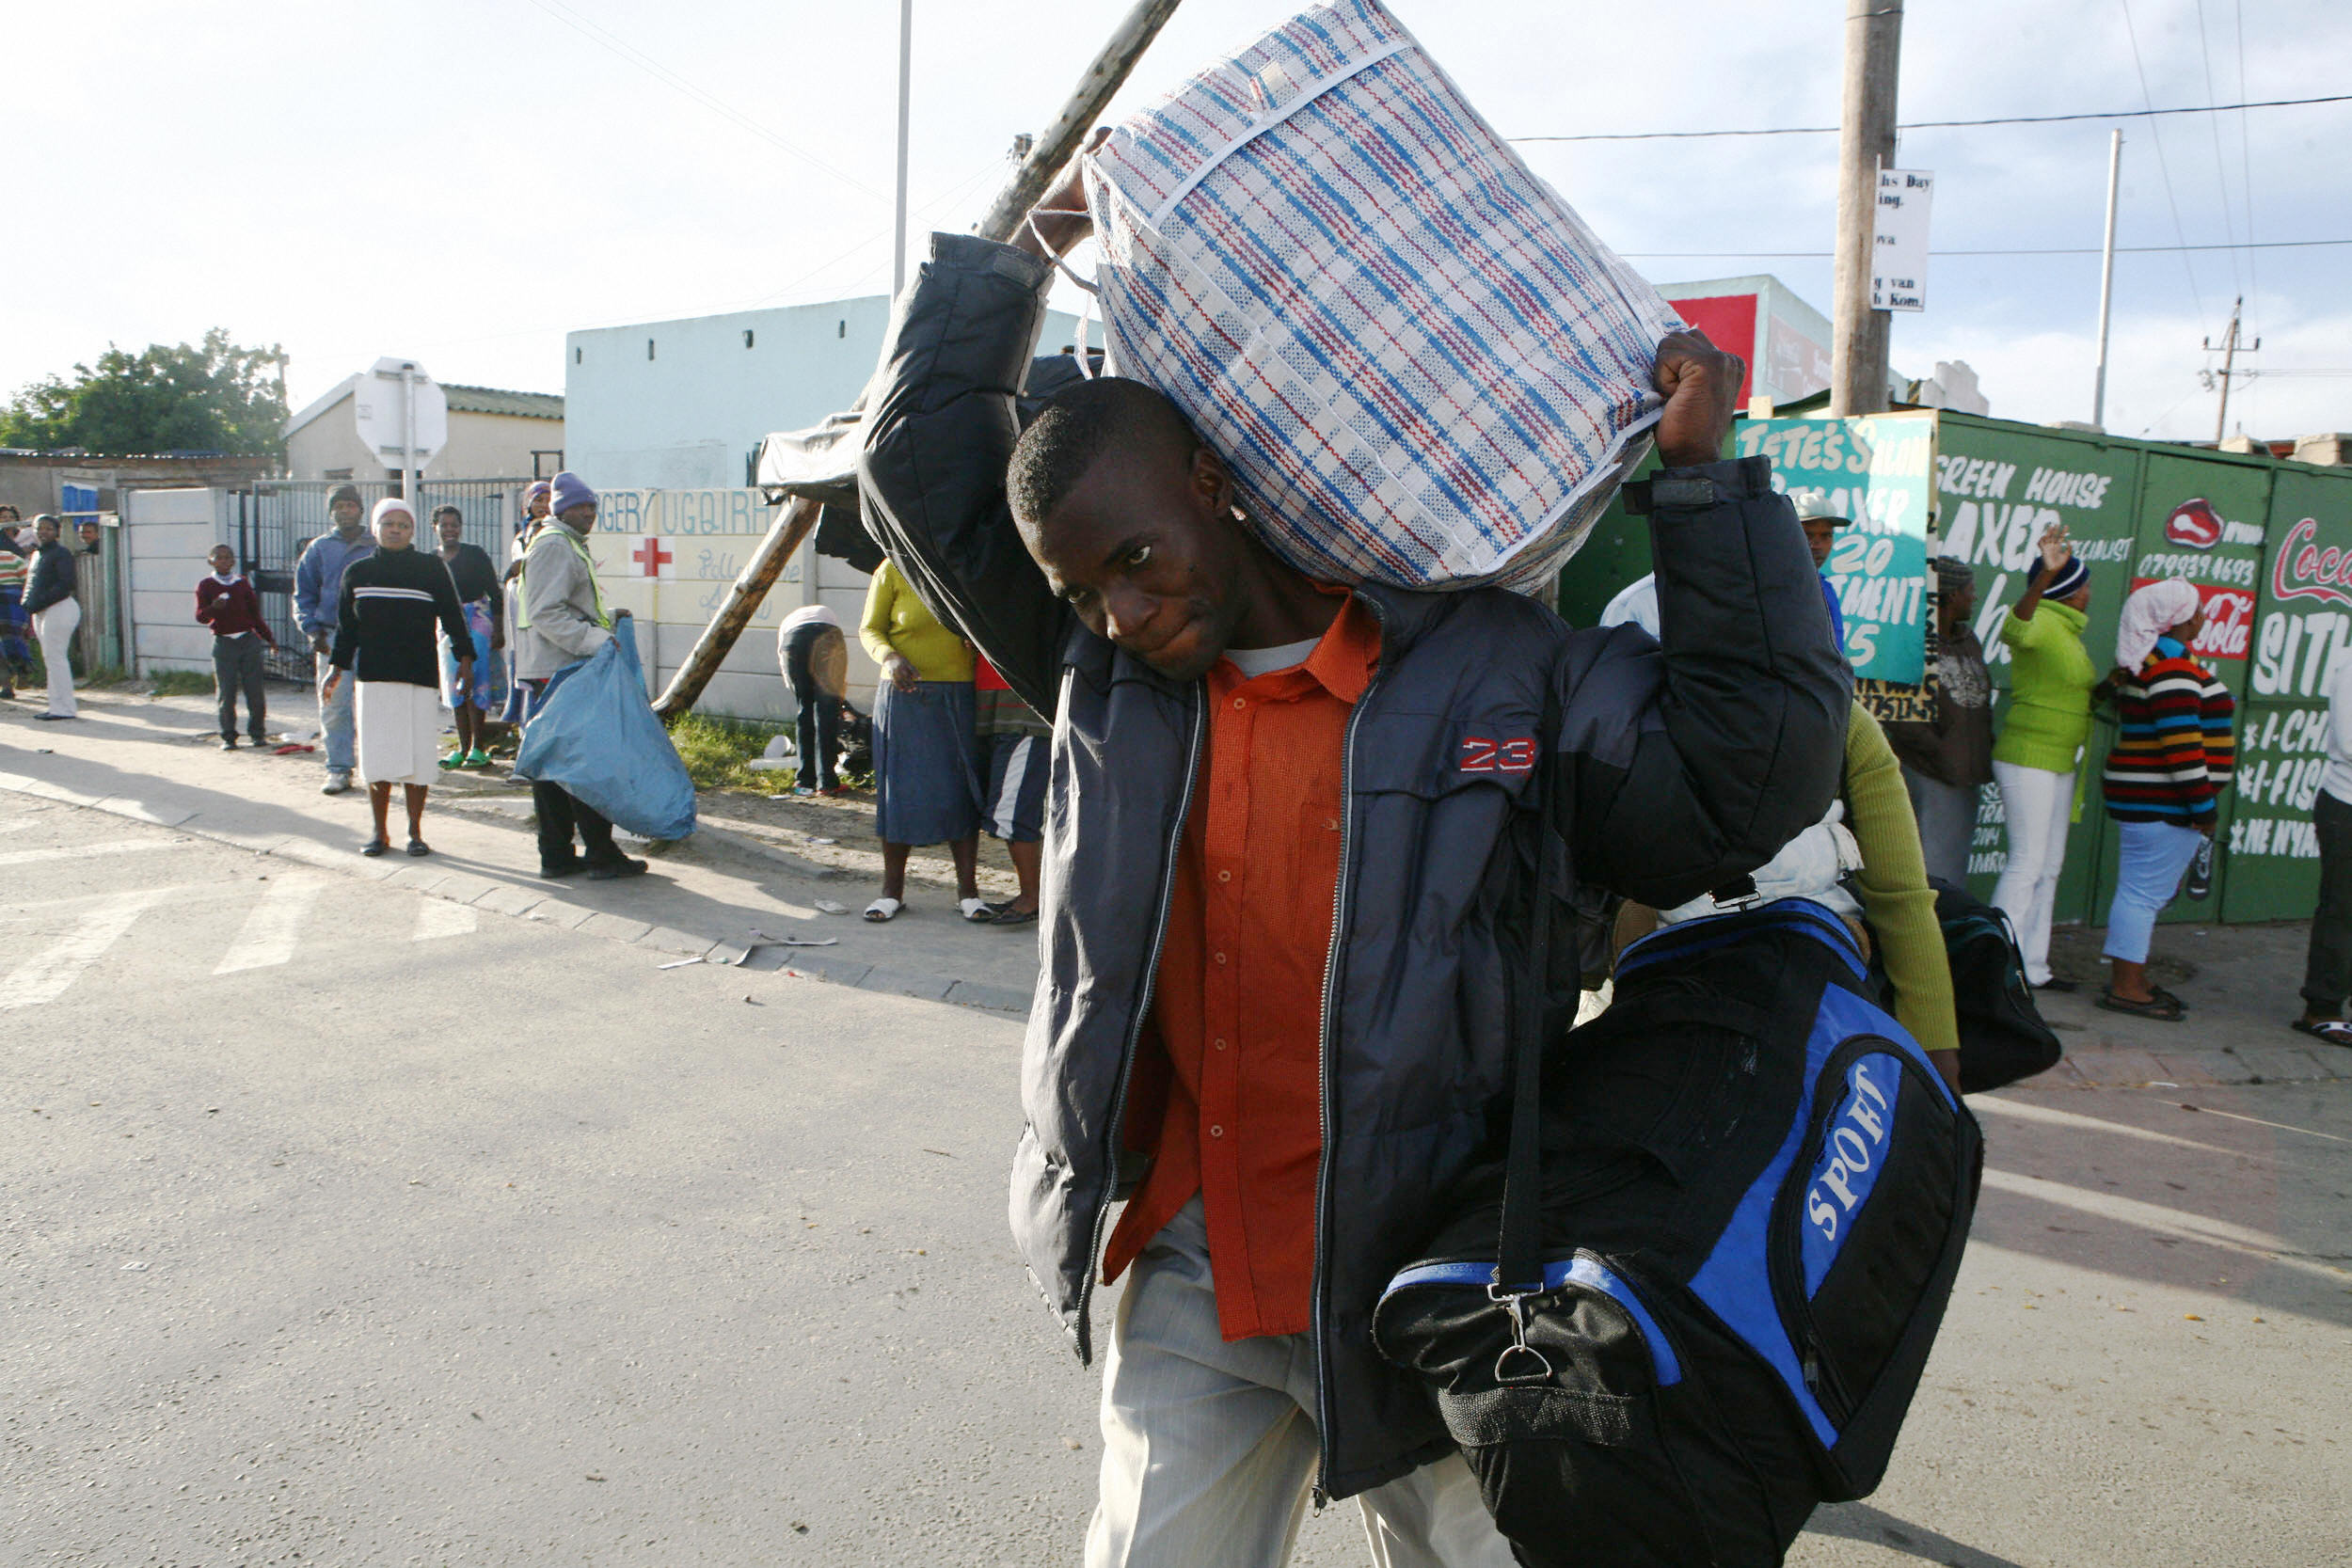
[{"x": 1701, "y": 384}]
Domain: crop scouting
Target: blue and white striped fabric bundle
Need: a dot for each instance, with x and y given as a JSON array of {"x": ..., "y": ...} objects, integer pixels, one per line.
[{"x": 1421, "y": 365}]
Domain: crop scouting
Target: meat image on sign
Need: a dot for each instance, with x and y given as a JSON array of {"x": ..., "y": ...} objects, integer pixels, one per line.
[
  {"x": 2228, "y": 619},
  {"x": 2194, "y": 523}
]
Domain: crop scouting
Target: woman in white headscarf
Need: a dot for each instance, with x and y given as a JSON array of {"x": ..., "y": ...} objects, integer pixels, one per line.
[
  {"x": 393, "y": 601},
  {"x": 2172, "y": 759}
]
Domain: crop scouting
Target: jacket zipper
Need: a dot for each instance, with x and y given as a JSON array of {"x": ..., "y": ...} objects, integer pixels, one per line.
[
  {"x": 1135, "y": 1028},
  {"x": 1320, "y": 1307}
]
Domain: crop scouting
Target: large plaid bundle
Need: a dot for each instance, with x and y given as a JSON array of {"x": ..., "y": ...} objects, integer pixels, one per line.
[{"x": 1421, "y": 365}]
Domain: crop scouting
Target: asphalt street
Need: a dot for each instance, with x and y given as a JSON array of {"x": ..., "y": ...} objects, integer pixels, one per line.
[{"x": 347, "y": 1226}]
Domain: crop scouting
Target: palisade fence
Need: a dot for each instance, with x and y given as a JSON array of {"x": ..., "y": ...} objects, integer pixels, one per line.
[{"x": 272, "y": 521}]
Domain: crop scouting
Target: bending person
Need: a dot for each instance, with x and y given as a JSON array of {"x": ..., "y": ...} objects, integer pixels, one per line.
[
  {"x": 926, "y": 756},
  {"x": 391, "y": 603}
]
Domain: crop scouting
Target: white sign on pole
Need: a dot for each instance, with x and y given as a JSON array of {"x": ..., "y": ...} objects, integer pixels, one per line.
[
  {"x": 1899, "y": 258},
  {"x": 382, "y": 405}
]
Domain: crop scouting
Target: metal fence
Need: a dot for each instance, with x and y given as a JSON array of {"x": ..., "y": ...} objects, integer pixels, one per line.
[{"x": 274, "y": 520}]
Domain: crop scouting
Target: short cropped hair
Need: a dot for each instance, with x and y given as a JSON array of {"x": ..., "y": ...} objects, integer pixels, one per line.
[
  {"x": 441, "y": 512},
  {"x": 1078, "y": 426}
]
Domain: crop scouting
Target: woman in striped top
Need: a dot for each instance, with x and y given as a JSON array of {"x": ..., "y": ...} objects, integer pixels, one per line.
[{"x": 2172, "y": 755}]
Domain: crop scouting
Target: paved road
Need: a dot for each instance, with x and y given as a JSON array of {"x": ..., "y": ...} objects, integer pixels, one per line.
[{"x": 347, "y": 1226}]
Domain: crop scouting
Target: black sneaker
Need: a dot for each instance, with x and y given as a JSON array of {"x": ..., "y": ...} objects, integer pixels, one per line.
[
  {"x": 227, "y": 742},
  {"x": 612, "y": 870},
  {"x": 551, "y": 870}
]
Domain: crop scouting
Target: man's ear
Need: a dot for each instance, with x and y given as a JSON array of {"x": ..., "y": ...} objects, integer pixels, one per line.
[{"x": 1212, "y": 484}]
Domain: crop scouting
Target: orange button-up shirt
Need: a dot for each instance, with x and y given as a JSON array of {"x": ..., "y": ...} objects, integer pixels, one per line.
[{"x": 1228, "y": 1086}]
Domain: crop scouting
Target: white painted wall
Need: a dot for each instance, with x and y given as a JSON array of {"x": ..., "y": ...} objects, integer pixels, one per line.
[
  {"x": 689, "y": 415},
  {"x": 166, "y": 534}
]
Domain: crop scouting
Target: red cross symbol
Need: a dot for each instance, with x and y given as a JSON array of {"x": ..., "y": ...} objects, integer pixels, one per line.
[{"x": 652, "y": 557}]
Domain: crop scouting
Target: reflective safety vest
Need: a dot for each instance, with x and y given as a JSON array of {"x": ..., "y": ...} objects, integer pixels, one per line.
[{"x": 522, "y": 586}]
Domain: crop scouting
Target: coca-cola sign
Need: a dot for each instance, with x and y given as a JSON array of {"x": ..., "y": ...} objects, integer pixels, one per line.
[
  {"x": 2194, "y": 523},
  {"x": 2303, "y": 570},
  {"x": 2228, "y": 619}
]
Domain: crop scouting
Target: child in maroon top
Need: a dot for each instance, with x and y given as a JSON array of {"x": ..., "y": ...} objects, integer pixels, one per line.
[{"x": 226, "y": 603}]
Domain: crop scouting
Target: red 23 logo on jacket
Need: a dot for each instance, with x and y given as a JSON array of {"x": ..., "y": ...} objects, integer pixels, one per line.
[{"x": 1487, "y": 755}]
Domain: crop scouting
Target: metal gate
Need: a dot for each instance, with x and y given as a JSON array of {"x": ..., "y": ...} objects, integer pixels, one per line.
[{"x": 275, "y": 520}]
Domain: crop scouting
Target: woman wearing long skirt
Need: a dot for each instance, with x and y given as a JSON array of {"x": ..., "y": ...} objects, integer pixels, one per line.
[
  {"x": 2173, "y": 757},
  {"x": 2041, "y": 747},
  {"x": 926, "y": 756},
  {"x": 392, "y": 603}
]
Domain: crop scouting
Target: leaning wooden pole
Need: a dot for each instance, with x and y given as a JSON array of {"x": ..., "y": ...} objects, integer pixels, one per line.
[
  {"x": 1028, "y": 181},
  {"x": 1061, "y": 141},
  {"x": 783, "y": 540}
]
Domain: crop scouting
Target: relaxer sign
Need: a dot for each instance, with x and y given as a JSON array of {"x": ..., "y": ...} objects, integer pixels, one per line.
[{"x": 1877, "y": 471}]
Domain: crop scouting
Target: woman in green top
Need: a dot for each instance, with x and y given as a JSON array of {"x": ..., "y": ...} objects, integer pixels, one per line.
[
  {"x": 2041, "y": 746},
  {"x": 926, "y": 757}
]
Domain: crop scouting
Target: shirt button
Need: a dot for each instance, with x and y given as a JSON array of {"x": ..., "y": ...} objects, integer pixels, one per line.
[
  {"x": 1216, "y": 1131},
  {"x": 1223, "y": 876},
  {"x": 1240, "y": 701},
  {"x": 1220, "y": 958},
  {"x": 1221, "y": 1045}
]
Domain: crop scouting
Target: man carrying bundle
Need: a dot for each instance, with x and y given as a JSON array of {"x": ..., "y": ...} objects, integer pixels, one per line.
[{"x": 1280, "y": 906}]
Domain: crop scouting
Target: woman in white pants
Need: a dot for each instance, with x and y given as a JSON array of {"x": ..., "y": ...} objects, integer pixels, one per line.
[
  {"x": 55, "y": 615},
  {"x": 2041, "y": 747}
]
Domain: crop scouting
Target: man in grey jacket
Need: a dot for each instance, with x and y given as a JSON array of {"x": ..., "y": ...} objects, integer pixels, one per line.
[
  {"x": 1292, "y": 869},
  {"x": 561, "y": 622}
]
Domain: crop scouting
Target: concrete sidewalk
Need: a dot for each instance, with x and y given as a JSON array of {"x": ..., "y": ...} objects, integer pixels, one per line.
[{"x": 158, "y": 760}]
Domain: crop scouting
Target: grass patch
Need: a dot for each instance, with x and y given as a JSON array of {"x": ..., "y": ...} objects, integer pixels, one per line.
[
  {"x": 716, "y": 751},
  {"x": 176, "y": 683}
]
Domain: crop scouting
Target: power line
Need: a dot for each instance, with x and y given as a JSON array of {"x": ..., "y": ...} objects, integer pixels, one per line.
[
  {"x": 1939, "y": 124},
  {"x": 2163, "y": 166},
  {"x": 2220, "y": 170},
  {"x": 2057, "y": 250},
  {"x": 719, "y": 106}
]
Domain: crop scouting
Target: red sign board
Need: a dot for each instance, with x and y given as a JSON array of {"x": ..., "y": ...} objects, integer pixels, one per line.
[
  {"x": 1729, "y": 323},
  {"x": 2228, "y": 619}
]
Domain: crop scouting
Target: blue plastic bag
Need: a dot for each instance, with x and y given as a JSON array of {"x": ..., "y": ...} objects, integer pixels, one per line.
[{"x": 595, "y": 735}]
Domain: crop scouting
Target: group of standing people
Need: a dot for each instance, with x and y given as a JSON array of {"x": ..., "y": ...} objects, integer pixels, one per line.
[
  {"x": 399, "y": 630},
  {"x": 36, "y": 583},
  {"x": 2160, "y": 782}
]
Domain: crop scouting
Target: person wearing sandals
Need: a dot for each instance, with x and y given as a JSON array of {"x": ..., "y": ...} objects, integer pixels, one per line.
[
  {"x": 2328, "y": 966},
  {"x": 2040, "y": 745},
  {"x": 391, "y": 604},
  {"x": 477, "y": 580},
  {"x": 925, "y": 755},
  {"x": 2173, "y": 756}
]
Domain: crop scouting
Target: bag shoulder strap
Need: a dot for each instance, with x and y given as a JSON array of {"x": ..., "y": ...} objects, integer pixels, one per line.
[{"x": 1518, "y": 1262}]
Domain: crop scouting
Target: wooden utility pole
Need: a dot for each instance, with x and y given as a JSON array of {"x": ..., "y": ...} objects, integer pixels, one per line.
[
  {"x": 1866, "y": 142},
  {"x": 1046, "y": 157},
  {"x": 2228, "y": 348}
]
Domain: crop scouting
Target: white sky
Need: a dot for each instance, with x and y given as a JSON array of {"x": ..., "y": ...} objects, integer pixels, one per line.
[{"x": 464, "y": 180}]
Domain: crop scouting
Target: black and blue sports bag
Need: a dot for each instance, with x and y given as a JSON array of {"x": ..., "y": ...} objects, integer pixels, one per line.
[{"x": 1730, "y": 1213}]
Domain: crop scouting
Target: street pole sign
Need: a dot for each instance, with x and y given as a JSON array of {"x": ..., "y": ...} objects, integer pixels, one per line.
[
  {"x": 1898, "y": 257},
  {"x": 403, "y": 416}
]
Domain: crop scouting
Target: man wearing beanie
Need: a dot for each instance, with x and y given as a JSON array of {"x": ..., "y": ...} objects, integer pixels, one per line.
[
  {"x": 563, "y": 621},
  {"x": 318, "y": 590}
]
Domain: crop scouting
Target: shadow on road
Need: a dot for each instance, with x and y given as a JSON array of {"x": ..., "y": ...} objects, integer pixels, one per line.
[{"x": 1861, "y": 1522}]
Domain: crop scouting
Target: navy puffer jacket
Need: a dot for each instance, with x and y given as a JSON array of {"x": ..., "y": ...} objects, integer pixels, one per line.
[{"x": 1681, "y": 768}]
